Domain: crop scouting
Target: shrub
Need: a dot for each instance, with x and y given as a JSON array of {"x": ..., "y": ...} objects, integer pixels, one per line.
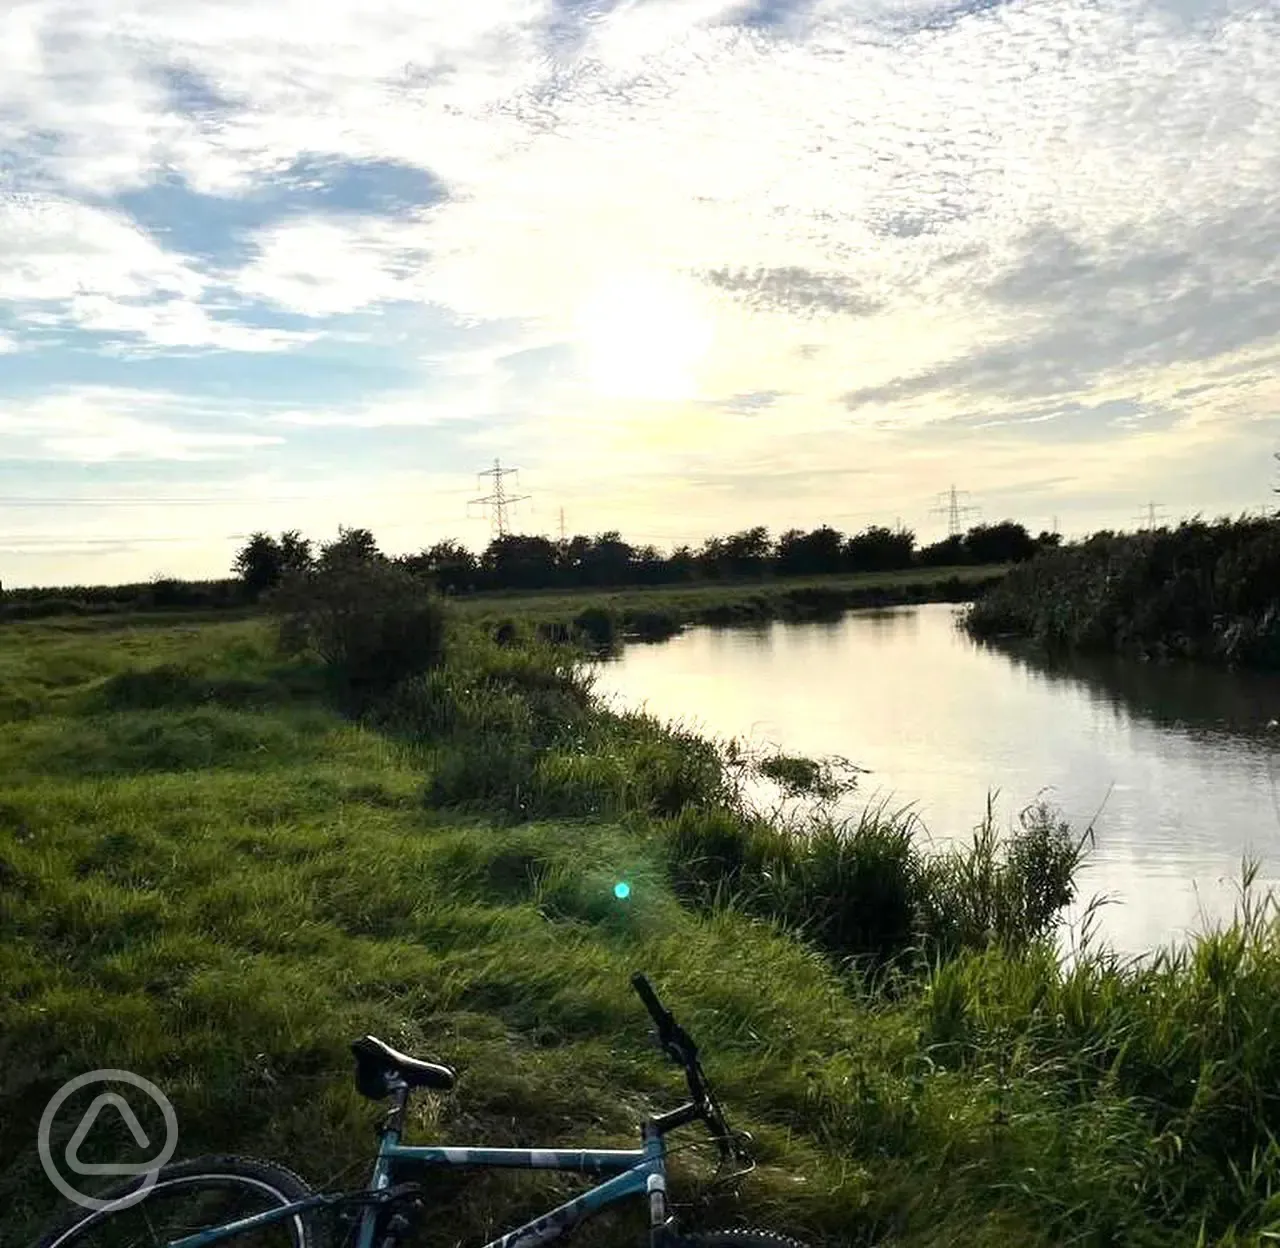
[
  {"x": 651, "y": 625},
  {"x": 372, "y": 623},
  {"x": 1203, "y": 591},
  {"x": 598, "y": 625}
]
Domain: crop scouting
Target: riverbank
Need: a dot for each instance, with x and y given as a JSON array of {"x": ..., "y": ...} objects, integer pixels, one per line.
[
  {"x": 1209, "y": 592},
  {"x": 212, "y": 878},
  {"x": 661, "y": 611}
]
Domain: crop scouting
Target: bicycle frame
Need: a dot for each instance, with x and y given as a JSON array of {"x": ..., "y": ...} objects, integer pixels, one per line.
[{"x": 636, "y": 1172}]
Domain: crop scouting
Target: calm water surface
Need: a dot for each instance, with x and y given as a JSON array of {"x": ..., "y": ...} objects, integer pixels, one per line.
[{"x": 1179, "y": 765}]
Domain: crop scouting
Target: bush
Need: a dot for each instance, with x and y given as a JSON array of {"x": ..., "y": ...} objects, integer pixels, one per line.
[
  {"x": 598, "y": 625},
  {"x": 651, "y": 625},
  {"x": 372, "y": 623},
  {"x": 1199, "y": 591}
]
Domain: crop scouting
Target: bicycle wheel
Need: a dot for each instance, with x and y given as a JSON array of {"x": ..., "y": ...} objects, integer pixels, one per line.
[
  {"x": 738, "y": 1239},
  {"x": 192, "y": 1196}
]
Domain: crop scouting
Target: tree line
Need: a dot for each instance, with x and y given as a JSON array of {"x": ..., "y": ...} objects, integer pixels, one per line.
[{"x": 520, "y": 561}]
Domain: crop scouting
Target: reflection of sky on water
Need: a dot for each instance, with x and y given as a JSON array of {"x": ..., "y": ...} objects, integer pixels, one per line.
[{"x": 1178, "y": 764}]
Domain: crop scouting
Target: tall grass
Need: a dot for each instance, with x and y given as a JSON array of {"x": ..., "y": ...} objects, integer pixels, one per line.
[{"x": 1201, "y": 591}]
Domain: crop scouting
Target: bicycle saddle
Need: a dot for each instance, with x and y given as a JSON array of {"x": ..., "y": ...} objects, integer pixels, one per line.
[{"x": 377, "y": 1063}]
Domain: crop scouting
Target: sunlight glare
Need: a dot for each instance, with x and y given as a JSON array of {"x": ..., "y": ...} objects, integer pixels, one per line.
[{"x": 643, "y": 338}]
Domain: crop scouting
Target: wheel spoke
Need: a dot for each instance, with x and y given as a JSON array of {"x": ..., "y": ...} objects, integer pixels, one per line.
[{"x": 186, "y": 1203}]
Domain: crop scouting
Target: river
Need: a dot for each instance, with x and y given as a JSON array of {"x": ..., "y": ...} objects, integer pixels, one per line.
[{"x": 1177, "y": 767}]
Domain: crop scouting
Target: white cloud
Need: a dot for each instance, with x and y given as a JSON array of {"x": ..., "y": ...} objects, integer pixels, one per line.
[
  {"x": 97, "y": 270},
  {"x": 91, "y": 424},
  {"x": 176, "y": 323},
  {"x": 317, "y": 267},
  {"x": 54, "y": 248}
]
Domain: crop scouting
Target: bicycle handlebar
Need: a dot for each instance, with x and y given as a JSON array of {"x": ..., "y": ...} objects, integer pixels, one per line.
[
  {"x": 675, "y": 1041},
  {"x": 655, "y": 1007},
  {"x": 678, "y": 1045}
]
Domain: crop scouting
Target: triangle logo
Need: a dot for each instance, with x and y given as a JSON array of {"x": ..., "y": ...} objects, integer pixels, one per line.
[{"x": 121, "y": 1106}]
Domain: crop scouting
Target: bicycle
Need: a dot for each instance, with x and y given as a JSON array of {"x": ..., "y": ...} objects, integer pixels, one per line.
[{"x": 388, "y": 1209}]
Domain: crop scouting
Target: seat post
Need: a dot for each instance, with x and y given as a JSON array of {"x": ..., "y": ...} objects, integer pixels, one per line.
[{"x": 393, "y": 1124}]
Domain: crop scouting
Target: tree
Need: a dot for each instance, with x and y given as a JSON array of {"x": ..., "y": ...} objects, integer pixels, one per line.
[
  {"x": 607, "y": 560},
  {"x": 516, "y": 561},
  {"x": 295, "y": 552},
  {"x": 747, "y": 552},
  {"x": 681, "y": 564},
  {"x": 351, "y": 546},
  {"x": 259, "y": 564},
  {"x": 1006, "y": 542},
  {"x": 370, "y": 620},
  {"x": 947, "y": 553},
  {"x": 879, "y": 549},
  {"x": 809, "y": 554},
  {"x": 448, "y": 563},
  {"x": 571, "y": 555}
]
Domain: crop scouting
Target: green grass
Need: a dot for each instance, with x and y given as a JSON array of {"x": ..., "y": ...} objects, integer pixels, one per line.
[
  {"x": 220, "y": 893},
  {"x": 658, "y": 611}
]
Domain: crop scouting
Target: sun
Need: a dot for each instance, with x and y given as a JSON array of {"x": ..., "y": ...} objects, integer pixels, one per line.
[{"x": 643, "y": 337}]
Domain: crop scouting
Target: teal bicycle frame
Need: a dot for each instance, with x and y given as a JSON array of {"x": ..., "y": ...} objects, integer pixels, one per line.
[{"x": 636, "y": 1172}]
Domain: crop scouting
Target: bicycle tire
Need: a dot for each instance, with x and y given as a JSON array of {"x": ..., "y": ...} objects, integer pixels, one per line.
[
  {"x": 739, "y": 1239},
  {"x": 265, "y": 1179}
]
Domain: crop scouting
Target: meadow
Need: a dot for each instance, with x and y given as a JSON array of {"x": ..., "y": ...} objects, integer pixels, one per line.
[{"x": 221, "y": 861}]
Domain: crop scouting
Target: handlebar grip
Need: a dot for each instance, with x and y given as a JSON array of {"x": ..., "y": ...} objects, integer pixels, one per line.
[{"x": 661, "y": 1015}]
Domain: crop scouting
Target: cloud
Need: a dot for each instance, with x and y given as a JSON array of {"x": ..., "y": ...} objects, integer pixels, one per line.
[
  {"x": 795, "y": 290},
  {"x": 1069, "y": 421},
  {"x": 96, "y": 425},
  {"x": 326, "y": 266},
  {"x": 750, "y": 403},
  {"x": 1093, "y": 309},
  {"x": 65, "y": 263}
]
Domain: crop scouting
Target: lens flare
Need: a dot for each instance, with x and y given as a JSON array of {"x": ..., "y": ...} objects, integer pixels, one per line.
[{"x": 622, "y": 890}]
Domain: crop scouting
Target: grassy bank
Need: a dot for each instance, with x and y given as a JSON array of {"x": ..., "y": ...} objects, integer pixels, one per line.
[
  {"x": 1201, "y": 591},
  {"x": 210, "y": 877},
  {"x": 654, "y": 613}
]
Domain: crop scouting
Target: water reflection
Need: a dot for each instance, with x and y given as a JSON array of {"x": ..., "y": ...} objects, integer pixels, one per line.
[
  {"x": 1179, "y": 760},
  {"x": 1198, "y": 701}
]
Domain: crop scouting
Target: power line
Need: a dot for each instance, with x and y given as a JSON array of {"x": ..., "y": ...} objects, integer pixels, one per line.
[
  {"x": 954, "y": 510},
  {"x": 498, "y": 500}
]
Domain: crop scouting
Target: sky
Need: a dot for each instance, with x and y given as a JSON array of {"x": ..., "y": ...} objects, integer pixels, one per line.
[{"x": 690, "y": 265}]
